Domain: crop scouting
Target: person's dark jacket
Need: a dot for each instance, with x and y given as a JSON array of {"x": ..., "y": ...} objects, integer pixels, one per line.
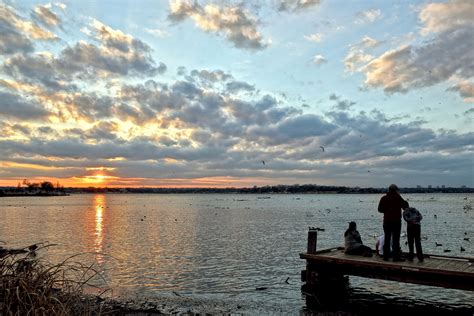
[{"x": 391, "y": 206}]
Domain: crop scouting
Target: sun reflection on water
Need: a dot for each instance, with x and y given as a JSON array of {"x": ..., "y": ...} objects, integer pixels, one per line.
[{"x": 99, "y": 205}]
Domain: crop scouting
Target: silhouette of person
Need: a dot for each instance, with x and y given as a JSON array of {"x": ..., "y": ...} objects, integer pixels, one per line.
[
  {"x": 353, "y": 242},
  {"x": 413, "y": 217},
  {"x": 391, "y": 205}
]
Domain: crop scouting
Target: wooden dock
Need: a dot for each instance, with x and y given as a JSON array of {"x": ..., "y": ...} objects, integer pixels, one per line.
[{"x": 441, "y": 271}]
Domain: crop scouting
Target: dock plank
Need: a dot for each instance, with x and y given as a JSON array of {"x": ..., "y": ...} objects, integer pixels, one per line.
[{"x": 444, "y": 271}]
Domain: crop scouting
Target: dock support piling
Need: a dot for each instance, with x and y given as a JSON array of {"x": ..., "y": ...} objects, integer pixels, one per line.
[{"x": 312, "y": 240}]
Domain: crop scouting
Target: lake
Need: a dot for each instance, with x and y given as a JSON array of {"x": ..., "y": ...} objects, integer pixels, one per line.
[{"x": 218, "y": 248}]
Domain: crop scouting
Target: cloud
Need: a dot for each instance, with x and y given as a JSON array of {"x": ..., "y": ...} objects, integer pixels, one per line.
[
  {"x": 102, "y": 131},
  {"x": 210, "y": 77},
  {"x": 18, "y": 33},
  {"x": 157, "y": 32},
  {"x": 115, "y": 41},
  {"x": 90, "y": 106},
  {"x": 60, "y": 5},
  {"x": 23, "y": 129},
  {"x": 446, "y": 55},
  {"x": 357, "y": 56},
  {"x": 45, "y": 130},
  {"x": 442, "y": 17},
  {"x": 236, "y": 86},
  {"x": 369, "y": 42},
  {"x": 46, "y": 16},
  {"x": 297, "y": 5},
  {"x": 12, "y": 41},
  {"x": 465, "y": 89},
  {"x": 356, "y": 59},
  {"x": 118, "y": 54},
  {"x": 289, "y": 141},
  {"x": 341, "y": 105},
  {"x": 319, "y": 60},
  {"x": 291, "y": 130},
  {"x": 12, "y": 22},
  {"x": 409, "y": 67},
  {"x": 14, "y": 107},
  {"x": 37, "y": 69},
  {"x": 234, "y": 23},
  {"x": 367, "y": 16},
  {"x": 317, "y": 37}
]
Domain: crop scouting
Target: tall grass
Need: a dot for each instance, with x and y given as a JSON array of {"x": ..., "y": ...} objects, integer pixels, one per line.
[{"x": 30, "y": 285}]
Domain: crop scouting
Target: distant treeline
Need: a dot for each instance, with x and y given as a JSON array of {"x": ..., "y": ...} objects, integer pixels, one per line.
[
  {"x": 28, "y": 188},
  {"x": 277, "y": 189}
]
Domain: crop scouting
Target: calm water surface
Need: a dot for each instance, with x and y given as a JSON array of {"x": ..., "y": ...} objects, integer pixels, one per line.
[{"x": 222, "y": 247}]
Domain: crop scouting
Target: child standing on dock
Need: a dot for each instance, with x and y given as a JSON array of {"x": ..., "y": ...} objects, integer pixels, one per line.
[{"x": 413, "y": 217}]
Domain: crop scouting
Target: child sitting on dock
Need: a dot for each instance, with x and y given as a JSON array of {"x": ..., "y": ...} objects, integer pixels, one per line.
[
  {"x": 353, "y": 242},
  {"x": 413, "y": 217}
]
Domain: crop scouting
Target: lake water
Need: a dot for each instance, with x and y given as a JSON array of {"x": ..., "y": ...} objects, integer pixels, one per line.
[{"x": 218, "y": 248}]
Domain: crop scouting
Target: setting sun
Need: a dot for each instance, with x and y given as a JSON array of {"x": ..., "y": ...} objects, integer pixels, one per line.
[{"x": 96, "y": 179}]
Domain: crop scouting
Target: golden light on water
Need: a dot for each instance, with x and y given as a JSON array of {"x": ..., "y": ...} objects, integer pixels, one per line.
[{"x": 99, "y": 205}]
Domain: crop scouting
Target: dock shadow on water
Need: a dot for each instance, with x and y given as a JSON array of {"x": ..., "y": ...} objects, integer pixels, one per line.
[{"x": 339, "y": 297}]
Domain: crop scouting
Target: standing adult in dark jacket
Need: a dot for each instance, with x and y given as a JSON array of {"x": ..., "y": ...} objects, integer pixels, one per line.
[{"x": 391, "y": 205}]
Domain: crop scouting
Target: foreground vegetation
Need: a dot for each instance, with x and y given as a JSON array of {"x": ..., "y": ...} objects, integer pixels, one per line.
[{"x": 30, "y": 285}]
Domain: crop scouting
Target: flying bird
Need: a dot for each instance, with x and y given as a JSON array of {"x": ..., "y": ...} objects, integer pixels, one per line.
[
  {"x": 438, "y": 244},
  {"x": 263, "y": 162},
  {"x": 462, "y": 249},
  {"x": 321, "y": 148}
]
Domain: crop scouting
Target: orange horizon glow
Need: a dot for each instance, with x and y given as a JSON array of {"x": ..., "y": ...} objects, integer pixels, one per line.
[
  {"x": 106, "y": 177},
  {"x": 101, "y": 180}
]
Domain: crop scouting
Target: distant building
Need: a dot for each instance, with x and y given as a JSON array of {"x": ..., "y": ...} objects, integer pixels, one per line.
[
  {"x": 429, "y": 186},
  {"x": 442, "y": 187},
  {"x": 418, "y": 186}
]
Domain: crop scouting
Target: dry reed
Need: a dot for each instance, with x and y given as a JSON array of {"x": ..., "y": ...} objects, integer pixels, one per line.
[{"x": 30, "y": 285}]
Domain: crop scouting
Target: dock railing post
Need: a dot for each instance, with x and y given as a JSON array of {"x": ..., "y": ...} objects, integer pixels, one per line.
[{"x": 312, "y": 240}]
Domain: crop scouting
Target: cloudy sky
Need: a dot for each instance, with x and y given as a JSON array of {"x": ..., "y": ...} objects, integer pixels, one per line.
[{"x": 237, "y": 93}]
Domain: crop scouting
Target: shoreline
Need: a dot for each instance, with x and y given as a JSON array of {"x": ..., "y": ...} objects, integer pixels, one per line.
[
  {"x": 315, "y": 305},
  {"x": 33, "y": 195}
]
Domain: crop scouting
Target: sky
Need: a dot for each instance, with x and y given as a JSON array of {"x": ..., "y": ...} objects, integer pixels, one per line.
[{"x": 237, "y": 93}]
